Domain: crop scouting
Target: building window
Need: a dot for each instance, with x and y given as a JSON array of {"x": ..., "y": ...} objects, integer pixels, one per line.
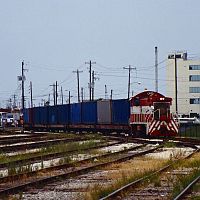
[
  {"x": 194, "y": 67},
  {"x": 194, "y": 78},
  {"x": 194, "y": 90},
  {"x": 195, "y": 101}
]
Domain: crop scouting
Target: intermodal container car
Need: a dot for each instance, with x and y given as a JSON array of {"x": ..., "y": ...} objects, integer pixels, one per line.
[
  {"x": 26, "y": 116},
  {"x": 63, "y": 114},
  {"x": 120, "y": 111},
  {"x": 52, "y": 115},
  {"x": 89, "y": 112},
  {"x": 75, "y": 117},
  {"x": 40, "y": 115},
  {"x": 104, "y": 112}
]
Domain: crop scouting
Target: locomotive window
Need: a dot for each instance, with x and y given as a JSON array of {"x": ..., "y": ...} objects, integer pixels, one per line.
[
  {"x": 136, "y": 102},
  {"x": 156, "y": 115},
  {"x": 161, "y": 109}
]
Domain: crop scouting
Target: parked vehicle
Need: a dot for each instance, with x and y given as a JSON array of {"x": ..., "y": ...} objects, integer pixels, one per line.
[{"x": 189, "y": 120}]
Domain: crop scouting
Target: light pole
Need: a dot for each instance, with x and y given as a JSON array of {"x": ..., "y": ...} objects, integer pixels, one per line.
[
  {"x": 139, "y": 83},
  {"x": 176, "y": 80}
]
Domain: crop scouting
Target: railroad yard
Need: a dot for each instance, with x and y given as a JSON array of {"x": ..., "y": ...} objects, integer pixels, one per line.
[
  {"x": 100, "y": 100},
  {"x": 48, "y": 165}
]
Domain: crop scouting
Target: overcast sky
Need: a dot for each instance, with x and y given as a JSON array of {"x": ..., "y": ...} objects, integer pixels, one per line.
[{"x": 55, "y": 37}]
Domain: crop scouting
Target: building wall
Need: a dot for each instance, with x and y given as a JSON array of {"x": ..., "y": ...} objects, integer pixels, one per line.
[{"x": 184, "y": 93}]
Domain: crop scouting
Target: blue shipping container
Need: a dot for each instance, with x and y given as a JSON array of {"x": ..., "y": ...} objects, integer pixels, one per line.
[
  {"x": 75, "y": 110},
  {"x": 120, "y": 111},
  {"x": 36, "y": 115},
  {"x": 40, "y": 115},
  {"x": 89, "y": 112},
  {"x": 53, "y": 115},
  {"x": 44, "y": 115},
  {"x": 26, "y": 115},
  {"x": 63, "y": 114}
]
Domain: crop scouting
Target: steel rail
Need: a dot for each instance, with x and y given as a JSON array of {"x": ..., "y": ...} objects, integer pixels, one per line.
[
  {"x": 61, "y": 166},
  {"x": 35, "y": 157},
  {"x": 186, "y": 189},
  {"x": 7, "y": 149},
  {"x": 15, "y": 140},
  {"x": 118, "y": 192},
  {"x": 185, "y": 139},
  {"x": 75, "y": 172},
  {"x": 13, "y": 137}
]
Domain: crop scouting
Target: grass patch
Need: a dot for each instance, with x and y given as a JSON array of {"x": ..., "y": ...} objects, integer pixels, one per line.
[
  {"x": 169, "y": 145},
  {"x": 14, "y": 169},
  {"x": 59, "y": 148},
  {"x": 193, "y": 164},
  {"x": 184, "y": 182},
  {"x": 123, "y": 173}
]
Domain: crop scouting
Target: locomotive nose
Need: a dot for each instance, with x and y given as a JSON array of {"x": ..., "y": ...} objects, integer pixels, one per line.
[{"x": 163, "y": 128}]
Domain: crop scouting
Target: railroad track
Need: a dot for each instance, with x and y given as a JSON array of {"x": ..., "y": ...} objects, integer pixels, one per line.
[
  {"x": 195, "y": 141},
  {"x": 14, "y": 140},
  {"x": 65, "y": 165},
  {"x": 178, "y": 140},
  {"x": 34, "y": 157},
  {"x": 85, "y": 166},
  {"x": 187, "y": 192},
  {"x": 146, "y": 192},
  {"x": 32, "y": 145}
]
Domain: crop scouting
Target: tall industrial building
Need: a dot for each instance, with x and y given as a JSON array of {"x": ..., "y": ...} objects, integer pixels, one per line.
[{"x": 186, "y": 93}]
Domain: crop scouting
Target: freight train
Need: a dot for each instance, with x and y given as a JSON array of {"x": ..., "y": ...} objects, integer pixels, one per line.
[{"x": 146, "y": 114}]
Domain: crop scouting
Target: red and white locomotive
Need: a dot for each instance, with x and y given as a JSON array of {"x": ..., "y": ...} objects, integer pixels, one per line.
[{"x": 150, "y": 115}]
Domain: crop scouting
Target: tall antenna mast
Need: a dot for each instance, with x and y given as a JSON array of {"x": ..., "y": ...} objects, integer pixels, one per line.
[{"x": 156, "y": 69}]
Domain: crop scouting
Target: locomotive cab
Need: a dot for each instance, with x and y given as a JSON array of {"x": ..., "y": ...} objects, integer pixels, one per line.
[{"x": 162, "y": 111}]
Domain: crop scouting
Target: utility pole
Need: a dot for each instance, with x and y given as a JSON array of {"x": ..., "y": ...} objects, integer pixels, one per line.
[
  {"x": 77, "y": 72},
  {"x": 94, "y": 78},
  {"x": 93, "y": 85},
  {"x": 129, "y": 77},
  {"x": 111, "y": 94},
  {"x": 14, "y": 101},
  {"x": 54, "y": 94},
  {"x": 23, "y": 85},
  {"x": 106, "y": 92},
  {"x": 90, "y": 77},
  {"x": 156, "y": 69},
  {"x": 82, "y": 94},
  {"x": 61, "y": 91},
  {"x": 31, "y": 93},
  {"x": 49, "y": 99},
  {"x": 176, "y": 85},
  {"x": 69, "y": 98}
]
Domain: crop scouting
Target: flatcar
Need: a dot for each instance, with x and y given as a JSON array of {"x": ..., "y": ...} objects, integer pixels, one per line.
[{"x": 150, "y": 115}]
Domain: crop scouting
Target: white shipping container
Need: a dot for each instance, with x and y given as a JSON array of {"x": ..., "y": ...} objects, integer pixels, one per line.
[{"x": 104, "y": 112}]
